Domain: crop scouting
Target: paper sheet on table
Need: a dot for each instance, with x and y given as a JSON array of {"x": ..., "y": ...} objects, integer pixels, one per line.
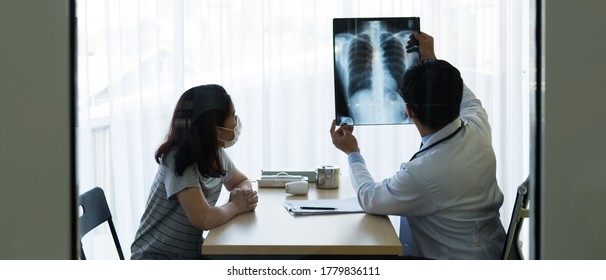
[{"x": 322, "y": 206}]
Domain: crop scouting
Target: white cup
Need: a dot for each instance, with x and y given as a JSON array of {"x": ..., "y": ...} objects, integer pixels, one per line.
[{"x": 297, "y": 187}]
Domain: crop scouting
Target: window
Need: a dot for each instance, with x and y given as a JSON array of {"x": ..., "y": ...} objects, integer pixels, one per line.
[{"x": 275, "y": 59}]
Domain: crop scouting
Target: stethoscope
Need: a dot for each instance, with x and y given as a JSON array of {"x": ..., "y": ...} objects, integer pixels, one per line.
[{"x": 438, "y": 142}]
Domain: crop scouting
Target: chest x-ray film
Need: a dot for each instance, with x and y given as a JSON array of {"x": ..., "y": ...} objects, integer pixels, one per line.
[{"x": 370, "y": 60}]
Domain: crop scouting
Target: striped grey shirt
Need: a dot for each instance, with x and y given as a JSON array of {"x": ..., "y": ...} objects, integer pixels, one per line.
[{"x": 165, "y": 232}]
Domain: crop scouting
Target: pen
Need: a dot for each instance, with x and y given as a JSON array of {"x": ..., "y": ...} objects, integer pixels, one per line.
[{"x": 317, "y": 208}]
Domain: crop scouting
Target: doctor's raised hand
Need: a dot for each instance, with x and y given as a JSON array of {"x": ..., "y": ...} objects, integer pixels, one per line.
[
  {"x": 343, "y": 138},
  {"x": 426, "y": 49}
]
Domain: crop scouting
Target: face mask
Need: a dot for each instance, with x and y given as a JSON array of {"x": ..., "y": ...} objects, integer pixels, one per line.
[{"x": 236, "y": 131}]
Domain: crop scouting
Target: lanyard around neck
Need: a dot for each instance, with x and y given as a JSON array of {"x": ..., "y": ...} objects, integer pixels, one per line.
[{"x": 438, "y": 142}]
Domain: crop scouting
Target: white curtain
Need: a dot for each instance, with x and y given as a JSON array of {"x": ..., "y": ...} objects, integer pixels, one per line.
[{"x": 274, "y": 57}]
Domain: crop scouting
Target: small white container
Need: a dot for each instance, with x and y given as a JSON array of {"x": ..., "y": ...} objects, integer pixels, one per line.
[{"x": 297, "y": 188}]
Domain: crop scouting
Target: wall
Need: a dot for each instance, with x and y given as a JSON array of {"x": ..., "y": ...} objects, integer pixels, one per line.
[
  {"x": 574, "y": 133},
  {"x": 36, "y": 213}
]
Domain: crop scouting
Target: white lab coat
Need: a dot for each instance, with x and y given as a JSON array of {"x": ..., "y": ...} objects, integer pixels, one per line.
[{"x": 449, "y": 192}]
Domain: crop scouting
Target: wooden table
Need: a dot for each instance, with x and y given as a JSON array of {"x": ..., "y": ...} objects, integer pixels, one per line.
[{"x": 271, "y": 230}]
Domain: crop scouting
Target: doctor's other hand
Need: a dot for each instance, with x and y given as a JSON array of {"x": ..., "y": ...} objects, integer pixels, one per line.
[{"x": 343, "y": 138}]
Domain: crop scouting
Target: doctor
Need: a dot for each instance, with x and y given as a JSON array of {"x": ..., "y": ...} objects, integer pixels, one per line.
[{"x": 448, "y": 189}]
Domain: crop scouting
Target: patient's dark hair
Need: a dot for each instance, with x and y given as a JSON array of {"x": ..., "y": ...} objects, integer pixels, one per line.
[
  {"x": 192, "y": 131},
  {"x": 434, "y": 91}
]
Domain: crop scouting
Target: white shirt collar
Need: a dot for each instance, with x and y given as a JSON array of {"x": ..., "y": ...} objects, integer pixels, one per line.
[{"x": 444, "y": 132}]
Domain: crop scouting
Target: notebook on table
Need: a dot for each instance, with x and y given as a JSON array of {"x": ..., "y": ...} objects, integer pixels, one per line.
[{"x": 322, "y": 206}]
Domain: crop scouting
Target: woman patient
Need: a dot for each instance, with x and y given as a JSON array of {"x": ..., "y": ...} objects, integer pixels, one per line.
[{"x": 193, "y": 167}]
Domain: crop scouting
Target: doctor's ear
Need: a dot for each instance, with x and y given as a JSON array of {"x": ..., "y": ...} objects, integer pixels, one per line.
[{"x": 409, "y": 111}]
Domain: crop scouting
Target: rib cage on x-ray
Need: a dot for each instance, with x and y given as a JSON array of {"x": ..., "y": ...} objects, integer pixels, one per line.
[{"x": 370, "y": 65}]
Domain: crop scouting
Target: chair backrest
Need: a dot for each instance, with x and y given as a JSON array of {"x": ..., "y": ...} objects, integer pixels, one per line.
[
  {"x": 512, "y": 250},
  {"x": 95, "y": 213}
]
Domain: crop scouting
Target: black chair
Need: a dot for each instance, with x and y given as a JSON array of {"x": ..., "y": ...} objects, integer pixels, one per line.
[
  {"x": 96, "y": 212},
  {"x": 512, "y": 249}
]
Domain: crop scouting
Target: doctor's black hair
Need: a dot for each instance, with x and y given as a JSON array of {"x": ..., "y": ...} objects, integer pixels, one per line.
[
  {"x": 434, "y": 91},
  {"x": 193, "y": 133}
]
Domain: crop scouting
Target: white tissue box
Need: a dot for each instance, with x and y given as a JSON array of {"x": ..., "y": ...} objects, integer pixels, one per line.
[{"x": 278, "y": 180}]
